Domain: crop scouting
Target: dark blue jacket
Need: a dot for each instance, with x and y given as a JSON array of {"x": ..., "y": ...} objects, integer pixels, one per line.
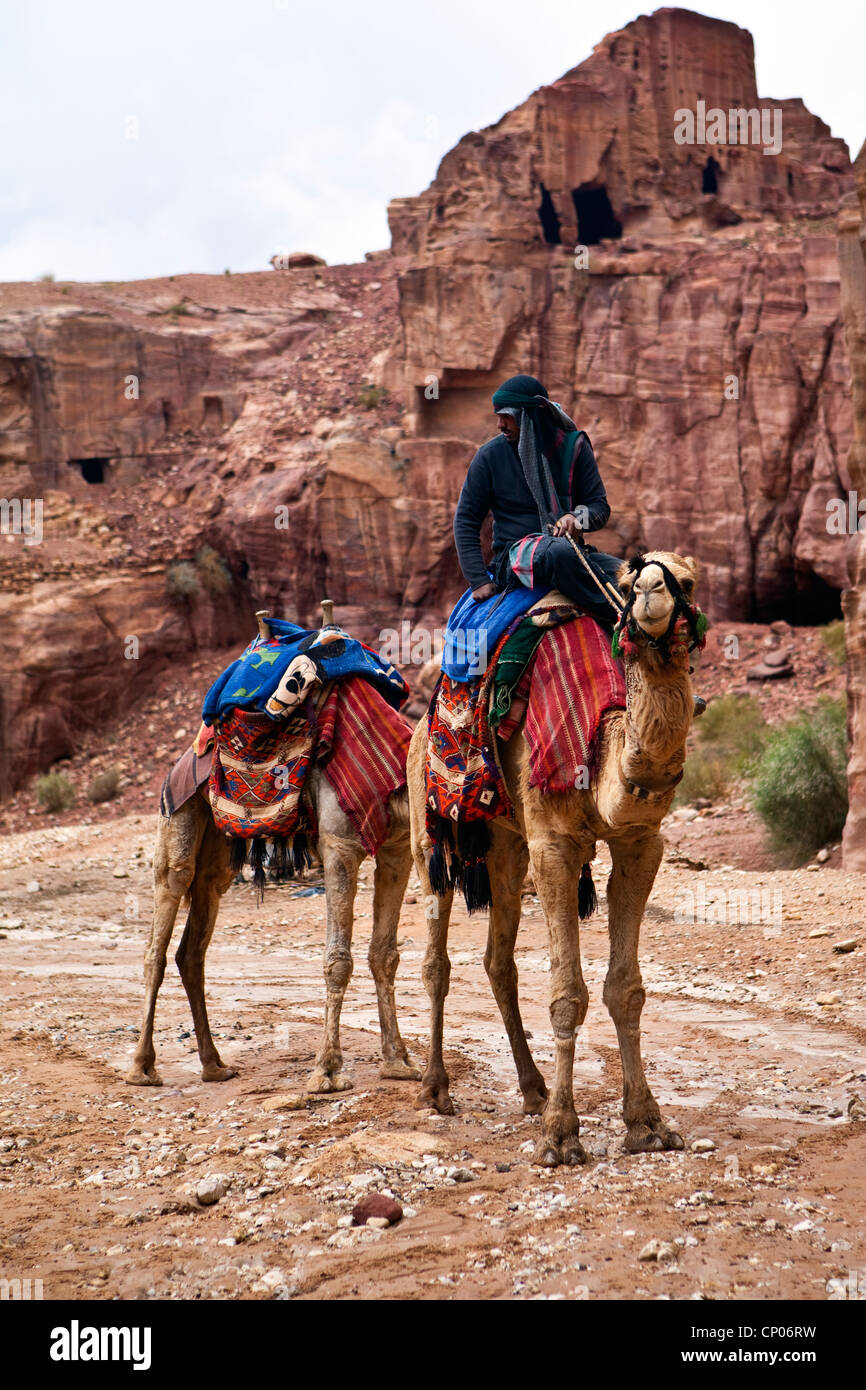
[{"x": 495, "y": 483}]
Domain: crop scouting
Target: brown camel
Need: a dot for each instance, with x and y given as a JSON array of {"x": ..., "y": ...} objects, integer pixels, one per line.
[
  {"x": 191, "y": 861},
  {"x": 641, "y": 756}
]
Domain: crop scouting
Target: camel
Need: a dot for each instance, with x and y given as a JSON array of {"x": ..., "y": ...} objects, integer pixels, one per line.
[
  {"x": 191, "y": 861},
  {"x": 641, "y": 757}
]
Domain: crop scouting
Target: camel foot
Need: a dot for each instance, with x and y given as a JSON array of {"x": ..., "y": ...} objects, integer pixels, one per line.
[
  {"x": 435, "y": 1096},
  {"x": 399, "y": 1069},
  {"x": 215, "y": 1071},
  {"x": 535, "y": 1098},
  {"x": 651, "y": 1137},
  {"x": 139, "y": 1075},
  {"x": 570, "y": 1151},
  {"x": 322, "y": 1082}
]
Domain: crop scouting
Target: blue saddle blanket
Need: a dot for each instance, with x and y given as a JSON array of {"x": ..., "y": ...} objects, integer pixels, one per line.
[
  {"x": 250, "y": 681},
  {"x": 474, "y": 629}
]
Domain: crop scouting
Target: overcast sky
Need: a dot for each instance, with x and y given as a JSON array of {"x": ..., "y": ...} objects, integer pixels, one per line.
[{"x": 194, "y": 135}]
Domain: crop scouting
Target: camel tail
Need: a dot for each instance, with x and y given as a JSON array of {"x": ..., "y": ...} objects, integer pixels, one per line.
[{"x": 587, "y": 899}]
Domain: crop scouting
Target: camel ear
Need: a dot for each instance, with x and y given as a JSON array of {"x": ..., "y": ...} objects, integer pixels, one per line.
[
  {"x": 689, "y": 580},
  {"x": 625, "y": 578}
]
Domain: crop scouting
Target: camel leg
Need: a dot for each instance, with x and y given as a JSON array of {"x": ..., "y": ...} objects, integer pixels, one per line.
[
  {"x": 177, "y": 845},
  {"x": 213, "y": 876},
  {"x": 556, "y": 861},
  {"x": 635, "y": 865},
  {"x": 341, "y": 858},
  {"x": 506, "y": 862},
  {"x": 391, "y": 875}
]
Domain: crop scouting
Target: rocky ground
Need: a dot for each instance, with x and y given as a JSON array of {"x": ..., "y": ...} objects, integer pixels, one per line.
[{"x": 754, "y": 1031}]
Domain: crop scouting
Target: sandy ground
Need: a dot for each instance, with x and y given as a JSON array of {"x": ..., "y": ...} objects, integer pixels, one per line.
[{"x": 97, "y": 1179}]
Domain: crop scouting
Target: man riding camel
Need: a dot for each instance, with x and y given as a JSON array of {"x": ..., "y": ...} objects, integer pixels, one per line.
[{"x": 538, "y": 472}]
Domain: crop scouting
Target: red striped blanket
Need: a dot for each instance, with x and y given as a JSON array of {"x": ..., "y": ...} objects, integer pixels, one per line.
[
  {"x": 363, "y": 746},
  {"x": 575, "y": 681}
]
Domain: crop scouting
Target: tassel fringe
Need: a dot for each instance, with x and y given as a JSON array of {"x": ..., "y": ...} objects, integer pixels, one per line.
[{"x": 587, "y": 899}]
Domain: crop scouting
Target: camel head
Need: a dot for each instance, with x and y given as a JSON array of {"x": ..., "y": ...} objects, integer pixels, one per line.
[{"x": 658, "y": 587}]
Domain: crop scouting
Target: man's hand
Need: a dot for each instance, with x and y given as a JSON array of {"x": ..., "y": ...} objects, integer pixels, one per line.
[
  {"x": 567, "y": 525},
  {"x": 486, "y": 591}
]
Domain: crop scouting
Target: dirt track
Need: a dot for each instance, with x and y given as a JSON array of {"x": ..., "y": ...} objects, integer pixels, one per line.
[{"x": 96, "y": 1177}]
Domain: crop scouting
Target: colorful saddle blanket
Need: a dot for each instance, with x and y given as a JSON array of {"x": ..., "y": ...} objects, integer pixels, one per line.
[
  {"x": 260, "y": 767},
  {"x": 565, "y": 680}
]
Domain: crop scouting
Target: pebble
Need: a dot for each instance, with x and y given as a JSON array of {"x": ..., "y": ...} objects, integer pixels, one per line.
[
  {"x": 703, "y": 1146},
  {"x": 32, "y": 886},
  {"x": 843, "y": 947},
  {"x": 819, "y": 931},
  {"x": 286, "y": 1102},
  {"x": 823, "y": 855},
  {"x": 120, "y": 873},
  {"x": 826, "y": 1000},
  {"x": 211, "y": 1189},
  {"x": 460, "y": 1174},
  {"x": 376, "y": 1207},
  {"x": 856, "y": 1109}
]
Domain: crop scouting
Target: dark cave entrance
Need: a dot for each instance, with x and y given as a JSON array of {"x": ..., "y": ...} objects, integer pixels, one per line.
[
  {"x": 595, "y": 216},
  {"x": 548, "y": 218},
  {"x": 710, "y": 176},
  {"x": 807, "y": 601},
  {"x": 92, "y": 470}
]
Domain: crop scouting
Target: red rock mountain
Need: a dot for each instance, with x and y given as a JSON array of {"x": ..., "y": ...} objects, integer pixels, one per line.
[{"x": 208, "y": 445}]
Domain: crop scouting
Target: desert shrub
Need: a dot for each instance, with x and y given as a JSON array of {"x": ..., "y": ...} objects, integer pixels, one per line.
[
  {"x": 177, "y": 310},
  {"x": 104, "y": 785},
  {"x": 726, "y": 740},
  {"x": 800, "y": 786},
  {"x": 48, "y": 278},
  {"x": 371, "y": 396},
  {"x": 181, "y": 580},
  {"x": 54, "y": 791},
  {"x": 213, "y": 571},
  {"x": 833, "y": 637}
]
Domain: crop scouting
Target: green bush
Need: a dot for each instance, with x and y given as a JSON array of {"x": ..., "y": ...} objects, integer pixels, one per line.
[
  {"x": 727, "y": 739},
  {"x": 104, "y": 786},
  {"x": 181, "y": 580},
  {"x": 54, "y": 792},
  {"x": 371, "y": 396},
  {"x": 800, "y": 787},
  {"x": 177, "y": 310},
  {"x": 833, "y": 637},
  {"x": 213, "y": 571}
]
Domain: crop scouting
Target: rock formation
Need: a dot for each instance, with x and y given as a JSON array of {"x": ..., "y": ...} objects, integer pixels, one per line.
[
  {"x": 852, "y": 264},
  {"x": 695, "y": 335}
]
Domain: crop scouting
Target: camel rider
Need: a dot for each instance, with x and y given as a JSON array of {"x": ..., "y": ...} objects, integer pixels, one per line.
[{"x": 539, "y": 470}]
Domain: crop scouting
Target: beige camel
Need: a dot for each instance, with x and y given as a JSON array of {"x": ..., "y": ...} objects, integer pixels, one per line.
[
  {"x": 642, "y": 754},
  {"x": 191, "y": 860}
]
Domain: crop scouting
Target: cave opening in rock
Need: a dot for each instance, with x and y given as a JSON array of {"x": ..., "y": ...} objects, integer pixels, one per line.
[
  {"x": 710, "y": 176},
  {"x": 547, "y": 215},
  {"x": 809, "y": 602},
  {"x": 790, "y": 182},
  {"x": 213, "y": 413},
  {"x": 167, "y": 415},
  {"x": 595, "y": 216},
  {"x": 92, "y": 470}
]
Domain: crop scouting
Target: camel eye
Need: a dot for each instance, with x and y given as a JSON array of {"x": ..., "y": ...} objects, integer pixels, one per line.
[{"x": 687, "y": 586}]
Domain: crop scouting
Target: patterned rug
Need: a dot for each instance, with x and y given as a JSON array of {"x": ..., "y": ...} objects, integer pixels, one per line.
[
  {"x": 568, "y": 682},
  {"x": 258, "y": 769}
]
